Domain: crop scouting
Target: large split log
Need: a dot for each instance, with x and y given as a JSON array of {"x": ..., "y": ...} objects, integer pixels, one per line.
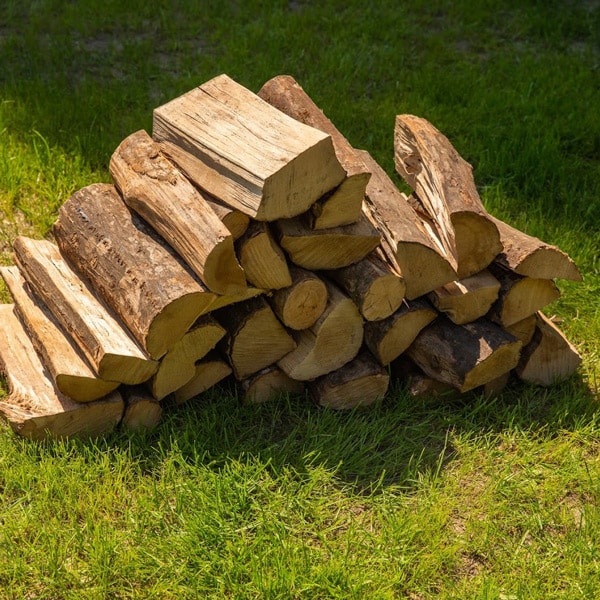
[
  {"x": 35, "y": 408},
  {"x": 268, "y": 384},
  {"x": 443, "y": 183},
  {"x": 245, "y": 152},
  {"x": 156, "y": 190},
  {"x": 207, "y": 373},
  {"x": 96, "y": 329},
  {"x": 133, "y": 270}
]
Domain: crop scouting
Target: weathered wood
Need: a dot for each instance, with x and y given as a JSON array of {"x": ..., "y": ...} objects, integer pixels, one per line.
[
  {"x": 96, "y": 329},
  {"x": 330, "y": 343},
  {"x": 154, "y": 188},
  {"x": 34, "y": 407},
  {"x": 299, "y": 305},
  {"x": 465, "y": 356},
  {"x": 267, "y": 385},
  {"x": 235, "y": 221},
  {"x": 142, "y": 411},
  {"x": 64, "y": 361},
  {"x": 133, "y": 271},
  {"x": 358, "y": 383},
  {"x": 208, "y": 372},
  {"x": 443, "y": 183},
  {"x": 245, "y": 152}
]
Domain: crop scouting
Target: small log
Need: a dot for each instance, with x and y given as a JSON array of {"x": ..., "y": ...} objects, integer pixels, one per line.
[
  {"x": 443, "y": 183},
  {"x": 96, "y": 329},
  {"x": 262, "y": 259},
  {"x": 245, "y": 152},
  {"x": 330, "y": 343},
  {"x": 465, "y": 356},
  {"x": 303, "y": 302},
  {"x": 389, "y": 338},
  {"x": 208, "y": 372},
  {"x": 267, "y": 385},
  {"x": 343, "y": 205},
  {"x": 133, "y": 271},
  {"x": 468, "y": 299},
  {"x": 523, "y": 330},
  {"x": 417, "y": 384},
  {"x": 35, "y": 408},
  {"x": 65, "y": 362},
  {"x": 235, "y": 221},
  {"x": 142, "y": 411},
  {"x": 549, "y": 358},
  {"x": 156, "y": 190}
]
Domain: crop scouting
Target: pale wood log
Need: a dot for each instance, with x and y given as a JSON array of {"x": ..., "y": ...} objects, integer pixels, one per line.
[
  {"x": 389, "y": 338},
  {"x": 262, "y": 259},
  {"x": 133, "y": 271},
  {"x": 549, "y": 358},
  {"x": 255, "y": 338},
  {"x": 96, "y": 329},
  {"x": 358, "y": 383},
  {"x": 236, "y": 221},
  {"x": 342, "y": 206},
  {"x": 34, "y": 407},
  {"x": 178, "y": 366},
  {"x": 245, "y": 152},
  {"x": 524, "y": 329},
  {"x": 468, "y": 299},
  {"x": 66, "y": 365},
  {"x": 142, "y": 411},
  {"x": 300, "y": 305},
  {"x": 154, "y": 188},
  {"x": 330, "y": 343},
  {"x": 208, "y": 372},
  {"x": 465, "y": 356},
  {"x": 267, "y": 385},
  {"x": 443, "y": 183}
]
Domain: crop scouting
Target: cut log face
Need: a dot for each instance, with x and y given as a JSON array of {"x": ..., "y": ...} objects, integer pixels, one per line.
[
  {"x": 343, "y": 206},
  {"x": 136, "y": 274},
  {"x": 267, "y": 385},
  {"x": 142, "y": 411},
  {"x": 523, "y": 330},
  {"x": 235, "y": 221},
  {"x": 287, "y": 166},
  {"x": 35, "y": 408},
  {"x": 100, "y": 335},
  {"x": 156, "y": 190},
  {"x": 64, "y": 361},
  {"x": 207, "y": 373}
]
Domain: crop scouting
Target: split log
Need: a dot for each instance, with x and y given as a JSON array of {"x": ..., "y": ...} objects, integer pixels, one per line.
[
  {"x": 389, "y": 338},
  {"x": 465, "y": 356},
  {"x": 65, "y": 362},
  {"x": 235, "y": 221},
  {"x": 208, "y": 372},
  {"x": 221, "y": 301},
  {"x": 523, "y": 330},
  {"x": 330, "y": 343},
  {"x": 286, "y": 165},
  {"x": 35, "y": 408},
  {"x": 268, "y": 384},
  {"x": 156, "y": 190},
  {"x": 358, "y": 383},
  {"x": 262, "y": 259},
  {"x": 96, "y": 329},
  {"x": 300, "y": 305},
  {"x": 417, "y": 384},
  {"x": 134, "y": 272},
  {"x": 443, "y": 183},
  {"x": 549, "y": 358},
  {"x": 496, "y": 386},
  {"x": 255, "y": 338},
  {"x": 468, "y": 299},
  {"x": 142, "y": 411}
]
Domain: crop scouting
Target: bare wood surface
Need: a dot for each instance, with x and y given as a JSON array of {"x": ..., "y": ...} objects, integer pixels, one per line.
[
  {"x": 142, "y": 411},
  {"x": 342, "y": 206},
  {"x": 523, "y": 329},
  {"x": 208, "y": 372},
  {"x": 236, "y": 221},
  {"x": 267, "y": 385}
]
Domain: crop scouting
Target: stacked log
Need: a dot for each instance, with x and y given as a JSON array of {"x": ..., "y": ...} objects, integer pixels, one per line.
[{"x": 247, "y": 239}]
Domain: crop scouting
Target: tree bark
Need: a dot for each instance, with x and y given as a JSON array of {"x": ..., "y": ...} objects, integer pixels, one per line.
[
  {"x": 208, "y": 372},
  {"x": 267, "y": 385}
]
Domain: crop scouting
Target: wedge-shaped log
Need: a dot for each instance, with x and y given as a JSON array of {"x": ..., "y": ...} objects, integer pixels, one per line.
[
  {"x": 443, "y": 183},
  {"x": 96, "y": 329},
  {"x": 236, "y": 221},
  {"x": 549, "y": 358},
  {"x": 154, "y": 188},
  {"x": 268, "y": 384},
  {"x": 358, "y": 383},
  {"x": 343, "y": 205},
  {"x": 245, "y": 152},
  {"x": 523, "y": 330},
  {"x": 142, "y": 411},
  {"x": 64, "y": 361},
  {"x": 465, "y": 356},
  {"x": 330, "y": 343},
  {"x": 208, "y": 372},
  {"x": 35, "y": 408},
  {"x": 131, "y": 268},
  {"x": 389, "y": 338},
  {"x": 417, "y": 384}
]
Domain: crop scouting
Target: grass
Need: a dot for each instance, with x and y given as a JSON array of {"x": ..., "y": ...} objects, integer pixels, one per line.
[{"x": 470, "y": 498}]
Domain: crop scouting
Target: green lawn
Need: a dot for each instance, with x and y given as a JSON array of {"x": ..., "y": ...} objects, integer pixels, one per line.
[{"x": 453, "y": 498}]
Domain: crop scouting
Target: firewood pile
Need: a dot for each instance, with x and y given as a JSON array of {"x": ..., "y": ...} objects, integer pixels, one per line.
[{"x": 246, "y": 239}]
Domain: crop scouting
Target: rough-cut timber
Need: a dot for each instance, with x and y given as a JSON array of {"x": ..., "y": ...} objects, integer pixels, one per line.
[
  {"x": 303, "y": 302},
  {"x": 64, "y": 361},
  {"x": 236, "y": 221},
  {"x": 549, "y": 358},
  {"x": 208, "y": 372},
  {"x": 156, "y": 190},
  {"x": 465, "y": 356},
  {"x": 358, "y": 383},
  {"x": 131, "y": 268},
  {"x": 245, "y": 152},
  {"x": 343, "y": 205},
  {"x": 330, "y": 343},
  {"x": 443, "y": 183},
  {"x": 101, "y": 336},
  {"x": 268, "y": 384},
  {"x": 34, "y": 407},
  {"x": 142, "y": 411}
]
